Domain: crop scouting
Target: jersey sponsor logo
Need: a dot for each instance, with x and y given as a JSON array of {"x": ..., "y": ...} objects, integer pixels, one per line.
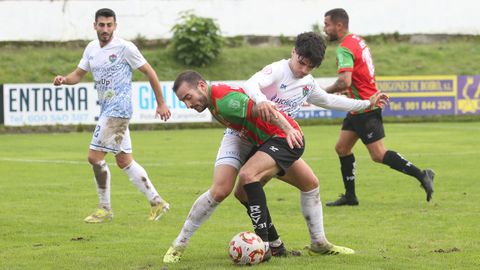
[
  {"x": 112, "y": 58},
  {"x": 285, "y": 102},
  {"x": 113, "y": 68}
]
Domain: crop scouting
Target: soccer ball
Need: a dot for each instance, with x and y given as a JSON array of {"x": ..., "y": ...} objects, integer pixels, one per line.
[{"x": 246, "y": 248}]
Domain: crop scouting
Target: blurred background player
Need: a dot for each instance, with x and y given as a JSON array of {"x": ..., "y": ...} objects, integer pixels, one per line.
[
  {"x": 277, "y": 148},
  {"x": 111, "y": 61},
  {"x": 356, "y": 78},
  {"x": 286, "y": 83}
]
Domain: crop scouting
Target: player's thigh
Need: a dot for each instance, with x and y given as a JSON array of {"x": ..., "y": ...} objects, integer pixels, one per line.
[
  {"x": 233, "y": 150},
  {"x": 224, "y": 177},
  {"x": 377, "y": 150},
  {"x": 111, "y": 135},
  {"x": 260, "y": 166},
  {"x": 301, "y": 176},
  {"x": 95, "y": 156},
  {"x": 346, "y": 142}
]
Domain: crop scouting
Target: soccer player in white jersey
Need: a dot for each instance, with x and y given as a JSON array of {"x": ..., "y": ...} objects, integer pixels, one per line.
[
  {"x": 286, "y": 84},
  {"x": 112, "y": 61}
]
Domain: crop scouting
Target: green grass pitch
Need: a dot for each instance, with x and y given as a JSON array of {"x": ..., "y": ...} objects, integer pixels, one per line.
[{"x": 47, "y": 188}]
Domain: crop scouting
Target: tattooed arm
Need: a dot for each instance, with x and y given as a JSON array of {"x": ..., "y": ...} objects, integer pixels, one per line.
[{"x": 343, "y": 82}]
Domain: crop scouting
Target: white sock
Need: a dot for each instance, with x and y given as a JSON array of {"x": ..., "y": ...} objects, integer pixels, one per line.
[
  {"x": 139, "y": 177},
  {"x": 102, "y": 181},
  {"x": 313, "y": 214},
  {"x": 201, "y": 210}
]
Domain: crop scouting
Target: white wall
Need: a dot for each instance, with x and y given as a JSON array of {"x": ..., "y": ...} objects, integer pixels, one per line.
[{"x": 61, "y": 20}]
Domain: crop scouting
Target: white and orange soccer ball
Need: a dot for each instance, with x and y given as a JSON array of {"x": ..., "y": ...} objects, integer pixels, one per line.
[{"x": 246, "y": 248}]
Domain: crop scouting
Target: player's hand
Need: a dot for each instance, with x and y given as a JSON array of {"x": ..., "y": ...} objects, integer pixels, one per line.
[
  {"x": 163, "y": 112},
  {"x": 59, "y": 80},
  {"x": 265, "y": 110},
  {"x": 379, "y": 100},
  {"x": 294, "y": 139}
]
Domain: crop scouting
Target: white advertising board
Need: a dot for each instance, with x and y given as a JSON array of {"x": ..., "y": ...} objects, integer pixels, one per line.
[{"x": 46, "y": 104}]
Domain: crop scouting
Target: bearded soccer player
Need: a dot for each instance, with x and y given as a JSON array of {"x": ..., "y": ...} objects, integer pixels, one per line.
[
  {"x": 278, "y": 146},
  {"x": 356, "y": 78},
  {"x": 112, "y": 61},
  {"x": 287, "y": 84}
]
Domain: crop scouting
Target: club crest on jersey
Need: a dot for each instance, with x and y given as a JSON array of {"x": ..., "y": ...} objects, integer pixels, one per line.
[
  {"x": 283, "y": 86},
  {"x": 306, "y": 89},
  {"x": 234, "y": 104},
  {"x": 112, "y": 58}
]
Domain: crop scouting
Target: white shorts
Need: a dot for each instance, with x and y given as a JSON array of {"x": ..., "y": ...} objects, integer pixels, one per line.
[
  {"x": 233, "y": 150},
  {"x": 112, "y": 135}
]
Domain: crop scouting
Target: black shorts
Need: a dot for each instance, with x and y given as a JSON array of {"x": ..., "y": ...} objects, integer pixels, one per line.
[
  {"x": 279, "y": 150},
  {"x": 368, "y": 126}
]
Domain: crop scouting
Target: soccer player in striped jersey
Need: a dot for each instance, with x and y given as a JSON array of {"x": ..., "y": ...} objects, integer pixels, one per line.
[
  {"x": 289, "y": 84},
  {"x": 356, "y": 78},
  {"x": 277, "y": 148}
]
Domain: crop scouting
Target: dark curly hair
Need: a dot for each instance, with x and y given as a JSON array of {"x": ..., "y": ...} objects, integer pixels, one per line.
[{"x": 311, "y": 46}]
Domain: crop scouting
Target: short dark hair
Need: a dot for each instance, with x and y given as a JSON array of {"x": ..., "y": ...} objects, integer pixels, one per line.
[
  {"x": 311, "y": 46},
  {"x": 338, "y": 15},
  {"x": 189, "y": 76},
  {"x": 105, "y": 12}
]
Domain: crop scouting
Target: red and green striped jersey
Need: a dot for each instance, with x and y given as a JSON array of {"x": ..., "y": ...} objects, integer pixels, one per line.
[
  {"x": 234, "y": 109},
  {"x": 353, "y": 55}
]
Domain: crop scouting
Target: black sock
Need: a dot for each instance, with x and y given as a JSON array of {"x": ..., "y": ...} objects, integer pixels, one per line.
[
  {"x": 397, "y": 162},
  {"x": 257, "y": 208},
  {"x": 272, "y": 231},
  {"x": 348, "y": 173}
]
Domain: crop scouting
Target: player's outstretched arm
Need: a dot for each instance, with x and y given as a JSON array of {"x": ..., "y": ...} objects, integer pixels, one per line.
[
  {"x": 73, "y": 78},
  {"x": 162, "y": 110},
  {"x": 322, "y": 99},
  {"x": 341, "y": 84}
]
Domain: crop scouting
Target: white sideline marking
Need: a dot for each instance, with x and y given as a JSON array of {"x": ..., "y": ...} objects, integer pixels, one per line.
[
  {"x": 75, "y": 162},
  {"x": 211, "y": 162}
]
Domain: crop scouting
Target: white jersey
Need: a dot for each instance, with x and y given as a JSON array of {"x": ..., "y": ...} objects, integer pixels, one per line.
[
  {"x": 112, "y": 67},
  {"x": 277, "y": 84}
]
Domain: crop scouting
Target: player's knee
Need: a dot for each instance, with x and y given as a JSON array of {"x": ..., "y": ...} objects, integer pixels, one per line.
[
  {"x": 220, "y": 194},
  {"x": 310, "y": 184},
  {"x": 341, "y": 150},
  {"x": 245, "y": 177},
  {"x": 122, "y": 163},
  {"x": 377, "y": 157},
  {"x": 93, "y": 160}
]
